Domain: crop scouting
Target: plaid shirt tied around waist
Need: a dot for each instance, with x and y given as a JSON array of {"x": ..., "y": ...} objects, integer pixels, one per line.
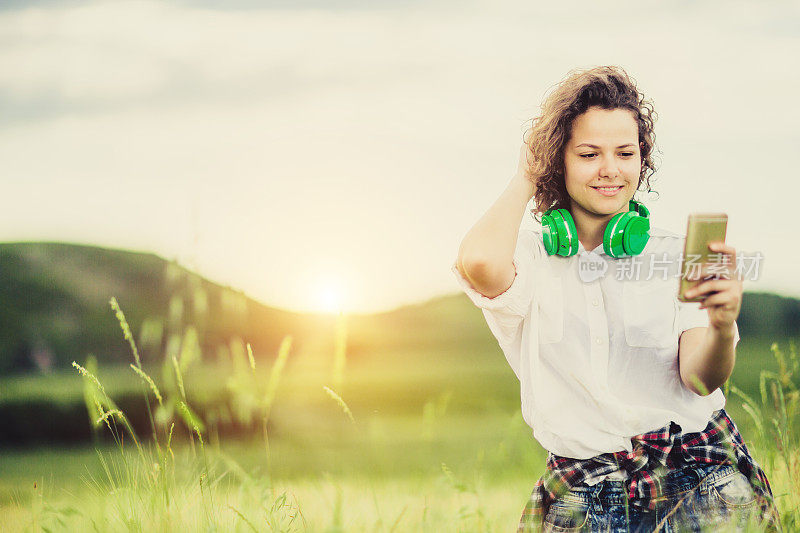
[{"x": 654, "y": 454}]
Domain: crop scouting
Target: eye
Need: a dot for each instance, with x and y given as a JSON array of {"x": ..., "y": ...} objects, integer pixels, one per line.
[
  {"x": 626, "y": 154},
  {"x": 587, "y": 156}
]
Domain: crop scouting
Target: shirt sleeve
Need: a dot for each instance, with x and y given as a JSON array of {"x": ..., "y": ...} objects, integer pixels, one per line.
[
  {"x": 691, "y": 316},
  {"x": 505, "y": 312}
]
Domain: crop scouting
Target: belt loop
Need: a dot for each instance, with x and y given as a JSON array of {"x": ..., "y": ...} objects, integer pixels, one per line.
[
  {"x": 596, "y": 501},
  {"x": 700, "y": 477}
]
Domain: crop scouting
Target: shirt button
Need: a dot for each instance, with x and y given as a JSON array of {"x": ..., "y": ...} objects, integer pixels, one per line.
[
  {"x": 595, "y": 302},
  {"x": 598, "y": 340}
]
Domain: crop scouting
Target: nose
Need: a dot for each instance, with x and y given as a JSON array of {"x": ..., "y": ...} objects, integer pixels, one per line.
[{"x": 609, "y": 168}]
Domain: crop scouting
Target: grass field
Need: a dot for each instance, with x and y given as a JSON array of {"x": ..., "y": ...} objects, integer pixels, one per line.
[{"x": 402, "y": 440}]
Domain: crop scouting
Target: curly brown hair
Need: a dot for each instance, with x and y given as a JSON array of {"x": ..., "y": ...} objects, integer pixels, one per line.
[{"x": 607, "y": 87}]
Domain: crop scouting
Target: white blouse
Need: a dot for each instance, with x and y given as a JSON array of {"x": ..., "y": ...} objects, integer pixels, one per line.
[{"x": 594, "y": 344}]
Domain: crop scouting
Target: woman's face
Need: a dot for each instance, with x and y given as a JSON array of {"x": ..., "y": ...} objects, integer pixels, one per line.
[{"x": 603, "y": 151}]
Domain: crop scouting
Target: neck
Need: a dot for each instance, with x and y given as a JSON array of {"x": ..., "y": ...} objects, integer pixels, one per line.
[
  {"x": 591, "y": 239},
  {"x": 590, "y": 226}
]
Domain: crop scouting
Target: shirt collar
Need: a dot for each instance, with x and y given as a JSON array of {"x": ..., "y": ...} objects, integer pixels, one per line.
[{"x": 598, "y": 250}]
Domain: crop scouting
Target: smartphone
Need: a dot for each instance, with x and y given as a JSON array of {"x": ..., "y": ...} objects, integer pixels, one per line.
[{"x": 702, "y": 229}]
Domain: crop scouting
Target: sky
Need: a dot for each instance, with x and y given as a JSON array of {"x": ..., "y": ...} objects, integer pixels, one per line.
[{"x": 333, "y": 154}]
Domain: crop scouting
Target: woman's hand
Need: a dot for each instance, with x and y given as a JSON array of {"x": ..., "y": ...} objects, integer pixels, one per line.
[
  {"x": 723, "y": 298},
  {"x": 523, "y": 167},
  {"x": 525, "y": 157},
  {"x": 523, "y": 178}
]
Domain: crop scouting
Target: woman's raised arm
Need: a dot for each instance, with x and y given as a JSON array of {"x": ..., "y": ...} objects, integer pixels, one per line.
[{"x": 486, "y": 254}]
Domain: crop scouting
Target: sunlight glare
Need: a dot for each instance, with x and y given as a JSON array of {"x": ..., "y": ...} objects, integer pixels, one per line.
[{"x": 330, "y": 297}]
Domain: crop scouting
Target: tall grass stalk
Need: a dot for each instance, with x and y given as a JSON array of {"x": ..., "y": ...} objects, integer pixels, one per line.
[
  {"x": 186, "y": 414},
  {"x": 147, "y": 379},
  {"x": 269, "y": 395},
  {"x": 243, "y": 518},
  {"x": 207, "y": 477},
  {"x": 275, "y": 374},
  {"x": 338, "y": 399},
  {"x": 126, "y": 331},
  {"x": 251, "y": 358},
  {"x": 105, "y": 408},
  {"x": 179, "y": 377}
]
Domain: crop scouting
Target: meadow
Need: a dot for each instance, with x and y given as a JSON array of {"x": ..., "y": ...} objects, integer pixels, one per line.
[{"x": 406, "y": 439}]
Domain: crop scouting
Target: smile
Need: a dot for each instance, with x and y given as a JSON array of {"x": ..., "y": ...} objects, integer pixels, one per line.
[{"x": 608, "y": 191}]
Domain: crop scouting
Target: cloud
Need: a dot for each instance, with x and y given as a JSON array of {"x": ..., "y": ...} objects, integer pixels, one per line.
[{"x": 113, "y": 56}]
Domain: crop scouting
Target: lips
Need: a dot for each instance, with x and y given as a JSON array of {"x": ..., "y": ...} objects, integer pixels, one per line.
[{"x": 608, "y": 191}]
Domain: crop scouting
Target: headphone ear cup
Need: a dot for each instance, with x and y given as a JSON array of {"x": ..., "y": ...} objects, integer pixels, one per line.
[
  {"x": 549, "y": 233},
  {"x": 636, "y": 235},
  {"x": 626, "y": 234},
  {"x": 571, "y": 239},
  {"x": 558, "y": 233},
  {"x": 614, "y": 234}
]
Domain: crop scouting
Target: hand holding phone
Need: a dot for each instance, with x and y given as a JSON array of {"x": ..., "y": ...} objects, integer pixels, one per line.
[{"x": 697, "y": 264}]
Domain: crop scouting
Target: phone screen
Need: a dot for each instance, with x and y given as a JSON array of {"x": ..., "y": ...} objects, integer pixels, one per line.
[{"x": 702, "y": 229}]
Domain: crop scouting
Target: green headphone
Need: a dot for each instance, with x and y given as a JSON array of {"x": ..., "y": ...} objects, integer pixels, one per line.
[{"x": 626, "y": 233}]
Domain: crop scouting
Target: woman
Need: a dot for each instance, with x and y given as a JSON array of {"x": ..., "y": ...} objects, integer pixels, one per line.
[{"x": 615, "y": 372}]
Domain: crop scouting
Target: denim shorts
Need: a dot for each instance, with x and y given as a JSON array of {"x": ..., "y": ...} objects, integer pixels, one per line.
[{"x": 697, "y": 497}]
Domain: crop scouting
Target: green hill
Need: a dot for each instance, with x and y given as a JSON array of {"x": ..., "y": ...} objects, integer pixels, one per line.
[{"x": 55, "y": 306}]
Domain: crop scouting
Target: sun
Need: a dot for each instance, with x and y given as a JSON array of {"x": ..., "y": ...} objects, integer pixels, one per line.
[{"x": 329, "y": 297}]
